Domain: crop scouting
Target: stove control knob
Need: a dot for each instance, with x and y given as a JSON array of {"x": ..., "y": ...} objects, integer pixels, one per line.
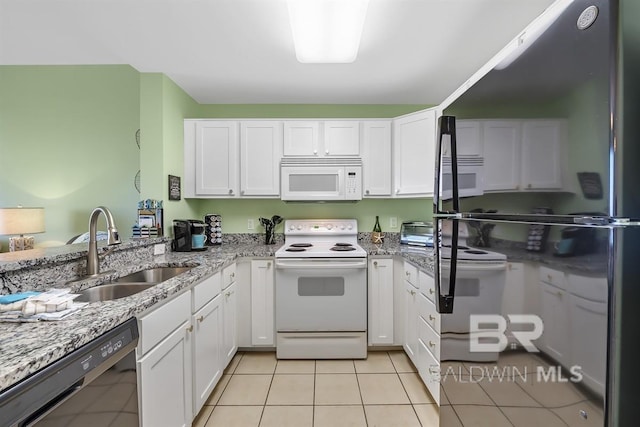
[
  {"x": 350, "y": 227},
  {"x": 299, "y": 227},
  {"x": 342, "y": 227},
  {"x": 329, "y": 226},
  {"x": 292, "y": 227}
]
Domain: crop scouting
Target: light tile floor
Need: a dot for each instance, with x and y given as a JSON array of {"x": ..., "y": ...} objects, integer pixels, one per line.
[{"x": 258, "y": 390}]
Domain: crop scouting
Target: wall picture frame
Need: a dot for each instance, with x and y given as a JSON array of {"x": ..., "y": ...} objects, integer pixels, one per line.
[{"x": 174, "y": 188}]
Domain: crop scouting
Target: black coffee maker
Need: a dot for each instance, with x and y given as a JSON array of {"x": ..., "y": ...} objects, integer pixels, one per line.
[{"x": 183, "y": 232}]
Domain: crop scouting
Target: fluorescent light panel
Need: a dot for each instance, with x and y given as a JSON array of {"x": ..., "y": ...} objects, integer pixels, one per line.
[{"x": 327, "y": 31}]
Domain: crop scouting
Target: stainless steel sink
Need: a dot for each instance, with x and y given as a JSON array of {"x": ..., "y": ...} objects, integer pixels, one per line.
[
  {"x": 112, "y": 291},
  {"x": 130, "y": 284},
  {"x": 153, "y": 275}
]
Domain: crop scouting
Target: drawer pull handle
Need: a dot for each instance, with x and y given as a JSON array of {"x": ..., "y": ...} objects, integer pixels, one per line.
[
  {"x": 412, "y": 292},
  {"x": 431, "y": 291},
  {"x": 432, "y": 317},
  {"x": 407, "y": 273},
  {"x": 233, "y": 275},
  {"x": 434, "y": 370},
  {"x": 200, "y": 319},
  {"x": 190, "y": 328},
  {"x": 432, "y": 344},
  {"x": 228, "y": 294},
  {"x": 375, "y": 263}
]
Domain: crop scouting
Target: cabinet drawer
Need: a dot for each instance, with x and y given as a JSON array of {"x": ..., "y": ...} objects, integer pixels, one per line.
[
  {"x": 205, "y": 291},
  {"x": 411, "y": 274},
  {"x": 429, "y": 337},
  {"x": 158, "y": 324},
  {"x": 553, "y": 277},
  {"x": 228, "y": 275},
  {"x": 591, "y": 288},
  {"x": 427, "y": 285},
  {"x": 427, "y": 310},
  {"x": 429, "y": 371}
]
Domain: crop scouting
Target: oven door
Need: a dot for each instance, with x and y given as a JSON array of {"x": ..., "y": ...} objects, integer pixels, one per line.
[{"x": 327, "y": 294}]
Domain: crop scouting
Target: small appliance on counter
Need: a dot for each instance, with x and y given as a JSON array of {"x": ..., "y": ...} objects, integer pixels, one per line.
[
  {"x": 576, "y": 241},
  {"x": 416, "y": 233},
  {"x": 188, "y": 235}
]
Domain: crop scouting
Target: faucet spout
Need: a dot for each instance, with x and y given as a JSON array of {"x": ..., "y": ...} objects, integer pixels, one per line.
[{"x": 93, "y": 263}]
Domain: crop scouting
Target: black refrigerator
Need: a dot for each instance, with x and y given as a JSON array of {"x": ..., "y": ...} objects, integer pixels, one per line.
[{"x": 538, "y": 244}]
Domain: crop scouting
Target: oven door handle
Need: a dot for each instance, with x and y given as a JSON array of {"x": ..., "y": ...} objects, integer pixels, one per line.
[
  {"x": 498, "y": 266},
  {"x": 320, "y": 263}
]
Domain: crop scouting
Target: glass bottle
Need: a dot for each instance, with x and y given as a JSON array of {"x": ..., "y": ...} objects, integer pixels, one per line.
[{"x": 377, "y": 236}]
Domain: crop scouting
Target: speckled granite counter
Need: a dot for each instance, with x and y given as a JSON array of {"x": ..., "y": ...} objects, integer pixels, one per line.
[{"x": 28, "y": 347}]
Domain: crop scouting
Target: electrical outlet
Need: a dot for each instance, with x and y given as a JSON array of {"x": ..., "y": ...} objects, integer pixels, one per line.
[
  {"x": 158, "y": 249},
  {"x": 393, "y": 222},
  {"x": 249, "y": 224}
]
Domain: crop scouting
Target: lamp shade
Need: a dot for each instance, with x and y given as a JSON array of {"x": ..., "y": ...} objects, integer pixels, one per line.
[{"x": 21, "y": 220}]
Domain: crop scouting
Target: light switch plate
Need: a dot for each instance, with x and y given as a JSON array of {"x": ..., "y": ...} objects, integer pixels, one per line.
[
  {"x": 249, "y": 224},
  {"x": 393, "y": 222}
]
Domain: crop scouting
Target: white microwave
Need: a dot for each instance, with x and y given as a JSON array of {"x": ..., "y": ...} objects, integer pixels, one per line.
[
  {"x": 319, "y": 180},
  {"x": 470, "y": 177}
]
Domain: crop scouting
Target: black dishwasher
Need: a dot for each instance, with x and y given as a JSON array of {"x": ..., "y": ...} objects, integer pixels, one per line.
[{"x": 95, "y": 385}]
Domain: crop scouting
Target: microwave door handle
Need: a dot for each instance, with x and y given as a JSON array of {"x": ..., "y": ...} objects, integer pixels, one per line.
[{"x": 444, "y": 303}]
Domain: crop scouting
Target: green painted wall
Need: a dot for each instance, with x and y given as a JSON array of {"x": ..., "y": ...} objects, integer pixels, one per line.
[
  {"x": 304, "y": 110},
  {"x": 67, "y": 143}
]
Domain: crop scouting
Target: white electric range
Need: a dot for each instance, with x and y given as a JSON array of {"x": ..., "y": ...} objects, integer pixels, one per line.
[{"x": 321, "y": 291}]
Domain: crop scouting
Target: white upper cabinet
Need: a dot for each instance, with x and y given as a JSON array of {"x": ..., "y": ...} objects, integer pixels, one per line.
[
  {"x": 216, "y": 158},
  {"x": 301, "y": 138},
  {"x": 501, "y": 151},
  {"x": 468, "y": 138},
  {"x": 341, "y": 138},
  {"x": 376, "y": 158},
  {"x": 542, "y": 154},
  {"x": 524, "y": 154},
  {"x": 414, "y": 138},
  {"x": 260, "y": 153}
]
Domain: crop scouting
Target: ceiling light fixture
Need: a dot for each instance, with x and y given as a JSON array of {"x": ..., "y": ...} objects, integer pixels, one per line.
[{"x": 327, "y": 31}]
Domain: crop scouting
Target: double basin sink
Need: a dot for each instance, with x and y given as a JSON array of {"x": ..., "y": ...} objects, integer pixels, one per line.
[{"x": 130, "y": 284}]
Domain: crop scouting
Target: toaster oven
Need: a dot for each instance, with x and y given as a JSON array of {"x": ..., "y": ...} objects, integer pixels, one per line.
[{"x": 416, "y": 233}]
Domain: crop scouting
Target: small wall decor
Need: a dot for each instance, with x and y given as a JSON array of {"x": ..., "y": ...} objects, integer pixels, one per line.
[
  {"x": 591, "y": 185},
  {"x": 174, "y": 187}
]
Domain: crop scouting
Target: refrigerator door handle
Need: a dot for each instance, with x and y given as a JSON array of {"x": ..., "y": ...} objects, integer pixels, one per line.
[
  {"x": 446, "y": 126},
  {"x": 444, "y": 303}
]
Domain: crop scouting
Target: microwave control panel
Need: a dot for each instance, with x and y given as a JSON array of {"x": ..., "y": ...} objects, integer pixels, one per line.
[{"x": 353, "y": 183}]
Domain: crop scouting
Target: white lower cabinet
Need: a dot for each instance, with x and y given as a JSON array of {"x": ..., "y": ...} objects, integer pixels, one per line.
[
  {"x": 411, "y": 322},
  {"x": 554, "y": 311},
  {"x": 164, "y": 366},
  {"x": 262, "y": 303},
  {"x": 184, "y": 346},
  {"x": 380, "y": 301},
  {"x": 207, "y": 351},
  {"x": 230, "y": 322}
]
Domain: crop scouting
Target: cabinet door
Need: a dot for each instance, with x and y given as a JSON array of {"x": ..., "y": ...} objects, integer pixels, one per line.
[
  {"x": 414, "y": 154},
  {"x": 230, "y": 324},
  {"x": 501, "y": 151},
  {"x": 207, "y": 351},
  {"x": 341, "y": 138},
  {"x": 468, "y": 138},
  {"x": 260, "y": 153},
  {"x": 216, "y": 158},
  {"x": 301, "y": 138},
  {"x": 376, "y": 159},
  {"x": 380, "y": 301},
  {"x": 541, "y": 154},
  {"x": 164, "y": 376},
  {"x": 555, "y": 319},
  {"x": 262, "y": 300},
  {"x": 411, "y": 322}
]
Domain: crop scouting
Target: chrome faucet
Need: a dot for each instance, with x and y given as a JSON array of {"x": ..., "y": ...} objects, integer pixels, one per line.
[{"x": 93, "y": 263}]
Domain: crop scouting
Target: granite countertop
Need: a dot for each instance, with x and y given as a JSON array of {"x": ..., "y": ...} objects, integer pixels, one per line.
[{"x": 28, "y": 347}]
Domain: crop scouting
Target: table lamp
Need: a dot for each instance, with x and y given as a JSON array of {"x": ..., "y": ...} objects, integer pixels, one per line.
[{"x": 21, "y": 221}]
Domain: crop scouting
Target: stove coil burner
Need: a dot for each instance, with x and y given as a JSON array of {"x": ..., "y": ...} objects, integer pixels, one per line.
[
  {"x": 476, "y": 252},
  {"x": 343, "y": 248},
  {"x": 295, "y": 249},
  {"x": 300, "y": 245},
  {"x": 343, "y": 244}
]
